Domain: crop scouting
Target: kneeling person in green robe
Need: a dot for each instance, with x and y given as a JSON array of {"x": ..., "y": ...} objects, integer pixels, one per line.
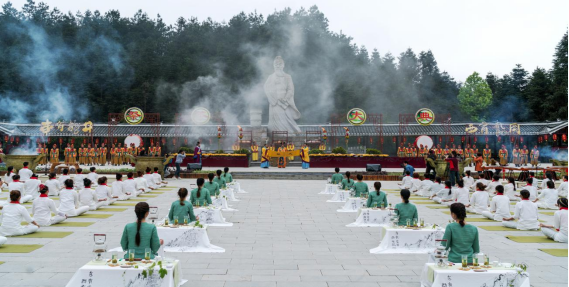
[
  {"x": 360, "y": 186},
  {"x": 200, "y": 196},
  {"x": 405, "y": 209},
  {"x": 377, "y": 198},
  {"x": 181, "y": 208},
  {"x": 347, "y": 183},
  {"x": 461, "y": 238},
  {"x": 140, "y": 235},
  {"x": 211, "y": 185},
  {"x": 337, "y": 177}
]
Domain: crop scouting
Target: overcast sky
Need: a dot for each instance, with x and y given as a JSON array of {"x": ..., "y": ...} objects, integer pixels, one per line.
[{"x": 465, "y": 36}]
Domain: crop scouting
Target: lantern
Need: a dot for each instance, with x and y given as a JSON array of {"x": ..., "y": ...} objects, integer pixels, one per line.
[
  {"x": 117, "y": 140},
  {"x": 452, "y": 139},
  {"x": 28, "y": 141},
  {"x": 60, "y": 141},
  {"x": 97, "y": 140},
  {"x": 151, "y": 141},
  {"x": 539, "y": 139},
  {"x": 394, "y": 139},
  {"x": 174, "y": 141},
  {"x": 462, "y": 139},
  {"x": 336, "y": 141},
  {"x": 324, "y": 134},
  {"x": 72, "y": 141},
  {"x": 186, "y": 141},
  {"x": 370, "y": 140},
  {"x": 512, "y": 139},
  {"x": 499, "y": 139},
  {"x": 163, "y": 141},
  {"x": 84, "y": 140},
  {"x": 17, "y": 140},
  {"x": 545, "y": 137},
  {"x": 6, "y": 138},
  {"x": 105, "y": 141},
  {"x": 381, "y": 140},
  {"x": 218, "y": 132},
  {"x": 347, "y": 132},
  {"x": 475, "y": 139},
  {"x": 48, "y": 139},
  {"x": 564, "y": 137},
  {"x": 521, "y": 140},
  {"x": 359, "y": 140},
  {"x": 486, "y": 138},
  {"x": 554, "y": 137},
  {"x": 240, "y": 136}
]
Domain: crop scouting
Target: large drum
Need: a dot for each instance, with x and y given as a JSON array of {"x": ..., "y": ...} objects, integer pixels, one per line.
[
  {"x": 135, "y": 139},
  {"x": 426, "y": 141}
]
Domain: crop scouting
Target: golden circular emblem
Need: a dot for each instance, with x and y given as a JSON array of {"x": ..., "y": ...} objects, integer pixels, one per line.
[
  {"x": 134, "y": 116},
  {"x": 200, "y": 116},
  {"x": 356, "y": 117},
  {"x": 425, "y": 117}
]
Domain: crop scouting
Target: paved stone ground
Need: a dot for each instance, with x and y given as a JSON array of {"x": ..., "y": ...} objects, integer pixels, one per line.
[{"x": 284, "y": 234}]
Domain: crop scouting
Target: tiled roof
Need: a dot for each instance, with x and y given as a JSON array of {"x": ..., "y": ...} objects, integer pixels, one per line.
[{"x": 171, "y": 130}]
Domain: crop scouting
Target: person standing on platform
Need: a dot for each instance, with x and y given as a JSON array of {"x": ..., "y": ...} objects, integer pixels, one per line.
[
  {"x": 281, "y": 163},
  {"x": 478, "y": 161},
  {"x": 453, "y": 168},
  {"x": 524, "y": 153},
  {"x": 503, "y": 155},
  {"x": 103, "y": 159},
  {"x": 198, "y": 153},
  {"x": 179, "y": 159},
  {"x": 439, "y": 152},
  {"x": 487, "y": 153},
  {"x": 54, "y": 155},
  {"x": 305, "y": 157},
  {"x": 337, "y": 177},
  {"x": 516, "y": 156},
  {"x": 467, "y": 152},
  {"x": 265, "y": 157},
  {"x": 401, "y": 151},
  {"x": 377, "y": 198},
  {"x": 534, "y": 156}
]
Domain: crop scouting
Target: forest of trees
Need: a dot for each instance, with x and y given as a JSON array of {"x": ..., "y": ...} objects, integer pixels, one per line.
[{"x": 82, "y": 66}]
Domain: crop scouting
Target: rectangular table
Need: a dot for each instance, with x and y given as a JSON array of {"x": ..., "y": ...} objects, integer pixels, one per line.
[
  {"x": 340, "y": 196},
  {"x": 187, "y": 239},
  {"x": 434, "y": 276},
  {"x": 369, "y": 217},
  {"x": 330, "y": 161},
  {"x": 211, "y": 216},
  {"x": 99, "y": 274},
  {"x": 353, "y": 204},
  {"x": 403, "y": 241},
  {"x": 330, "y": 189}
]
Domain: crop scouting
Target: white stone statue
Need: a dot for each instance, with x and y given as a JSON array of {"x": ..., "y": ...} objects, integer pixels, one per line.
[{"x": 280, "y": 92}]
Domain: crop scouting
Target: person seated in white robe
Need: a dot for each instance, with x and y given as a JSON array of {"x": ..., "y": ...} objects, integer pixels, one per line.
[
  {"x": 460, "y": 194},
  {"x": 129, "y": 185},
  {"x": 104, "y": 193},
  {"x": 481, "y": 179},
  {"x": 415, "y": 183},
  {"x": 3, "y": 240},
  {"x": 32, "y": 187},
  {"x": 78, "y": 180},
  {"x": 499, "y": 206},
  {"x": 158, "y": 178},
  {"x": 445, "y": 194},
  {"x": 118, "y": 189},
  {"x": 558, "y": 231},
  {"x": 425, "y": 185},
  {"x": 53, "y": 185},
  {"x": 150, "y": 179},
  {"x": 13, "y": 214},
  {"x": 43, "y": 207},
  {"x": 548, "y": 178},
  {"x": 406, "y": 181},
  {"x": 479, "y": 200},
  {"x": 435, "y": 187},
  {"x": 88, "y": 196},
  {"x": 64, "y": 177},
  {"x": 468, "y": 180},
  {"x": 548, "y": 197},
  {"x": 25, "y": 173},
  {"x": 141, "y": 183},
  {"x": 69, "y": 201},
  {"x": 491, "y": 187},
  {"x": 9, "y": 174},
  {"x": 510, "y": 190},
  {"x": 16, "y": 184},
  {"x": 531, "y": 188},
  {"x": 562, "y": 189},
  {"x": 3, "y": 185},
  {"x": 525, "y": 212},
  {"x": 93, "y": 176}
]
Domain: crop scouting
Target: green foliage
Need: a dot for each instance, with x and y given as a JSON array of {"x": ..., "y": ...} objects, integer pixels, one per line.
[
  {"x": 242, "y": 151},
  {"x": 315, "y": 151},
  {"x": 474, "y": 96},
  {"x": 219, "y": 151},
  {"x": 339, "y": 150},
  {"x": 373, "y": 151}
]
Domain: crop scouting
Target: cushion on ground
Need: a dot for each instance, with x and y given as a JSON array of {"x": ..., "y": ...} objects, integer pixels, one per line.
[
  {"x": 110, "y": 209},
  {"x": 120, "y": 203},
  {"x": 46, "y": 234},
  {"x": 73, "y": 224},
  {"x": 555, "y": 252},
  {"x": 148, "y": 195},
  {"x": 93, "y": 215},
  {"x": 500, "y": 228},
  {"x": 439, "y": 207},
  {"x": 530, "y": 239},
  {"x": 19, "y": 248}
]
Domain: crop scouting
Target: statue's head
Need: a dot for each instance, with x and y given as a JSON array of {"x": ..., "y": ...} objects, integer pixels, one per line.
[{"x": 278, "y": 64}]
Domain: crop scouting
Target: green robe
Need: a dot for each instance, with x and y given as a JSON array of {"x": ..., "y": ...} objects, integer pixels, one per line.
[
  {"x": 213, "y": 187},
  {"x": 228, "y": 177},
  {"x": 347, "y": 184},
  {"x": 337, "y": 178},
  {"x": 406, "y": 211},
  {"x": 204, "y": 197},
  {"x": 148, "y": 239},
  {"x": 176, "y": 209},
  {"x": 361, "y": 188},
  {"x": 220, "y": 181},
  {"x": 377, "y": 199},
  {"x": 461, "y": 240}
]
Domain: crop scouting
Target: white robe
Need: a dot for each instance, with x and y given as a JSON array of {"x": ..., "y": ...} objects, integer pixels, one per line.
[
  {"x": 435, "y": 188},
  {"x": 129, "y": 187},
  {"x": 415, "y": 185},
  {"x": 544, "y": 183},
  {"x": 42, "y": 209},
  {"x": 119, "y": 192},
  {"x": 94, "y": 177},
  {"x": 510, "y": 193},
  {"x": 526, "y": 214},
  {"x": 69, "y": 203},
  {"x": 460, "y": 195},
  {"x": 25, "y": 174},
  {"x": 78, "y": 182},
  {"x": 425, "y": 186},
  {"x": 499, "y": 208},
  {"x": 142, "y": 184},
  {"x": 32, "y": 188},
  {"x": 103, "y": 191},
  {"x": 479, "y": 202},
  {"x": 442, "y": 195},
  {"x": 12, "y": 216},
  {"x": 88, "y": 197},
  {"x": 468, "y": 182},
  {"x": 406, "y": 182},
  {"x": 532, "y": 192},
  {"x": 157, "y": 179},
  {"x": 559, "y": 222},
  {"x": 54, "y": 187},
  {"x": 562, "y": 189},
  {"x": 8, "y": 177},
  {"x": 491, "y": 188},
  {"x": 150, "y": 180},
  {"x": 547, "y": 199}
]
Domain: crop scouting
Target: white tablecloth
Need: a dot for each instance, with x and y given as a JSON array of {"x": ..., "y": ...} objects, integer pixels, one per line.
[
  {"x": 99, "y": 274},
  {"x": 211, "y": 216},
  {"x": 229, "y": 193},
  {"x": 433, "y": 276},
  {"x": 236, "y": 187},
  {"x": 353, "y": 204},
  {"x": 221, "y": 202},
  {"x": 187, "y": 239},
  {"x": 329, "y": 189},
  {"x": 400, "y": 240},
  {"x": 368, "y": 217},
  {"x": 340, "y": 196}
]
